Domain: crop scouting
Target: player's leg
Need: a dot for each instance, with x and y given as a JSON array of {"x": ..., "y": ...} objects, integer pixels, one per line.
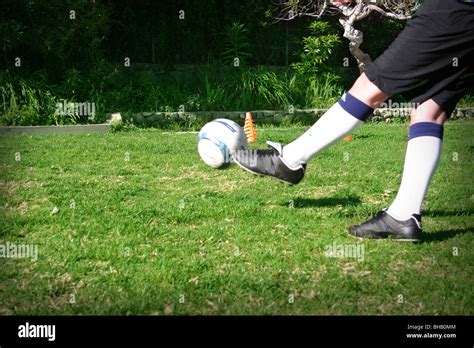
[
  {"x": 341, "y": 119},
  {"x": 402, "y": 220},
  {"x": 421, "y": 60},
  {"x": 421, "y": 160},
  {"x": 288, "y": 163}
]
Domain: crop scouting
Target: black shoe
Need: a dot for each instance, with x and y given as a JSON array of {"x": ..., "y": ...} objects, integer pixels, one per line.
[
  {"x": 269, "y": 162},
  {"x": 383, "y": 225}
]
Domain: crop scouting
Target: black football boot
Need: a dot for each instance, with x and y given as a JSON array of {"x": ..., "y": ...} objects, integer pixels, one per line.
[
  {"x": 270, "y": 163},
  {"x": 382, "y": 225}
]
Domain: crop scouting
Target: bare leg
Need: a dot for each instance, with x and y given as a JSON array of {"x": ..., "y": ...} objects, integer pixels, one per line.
[
  {"x": 428, "y": 111},
  {"x": 367, "y": 92}
]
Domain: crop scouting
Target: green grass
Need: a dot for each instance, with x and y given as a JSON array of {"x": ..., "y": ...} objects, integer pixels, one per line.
[{"x": 164, "y": 234}]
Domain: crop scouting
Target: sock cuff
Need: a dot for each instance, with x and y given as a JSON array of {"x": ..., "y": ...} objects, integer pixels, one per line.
[
  {"x": 426, "y": 129},
  {"x": 355, "y": 107}
]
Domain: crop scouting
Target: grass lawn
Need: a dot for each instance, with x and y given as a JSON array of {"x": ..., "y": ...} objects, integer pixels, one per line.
[{"x": 144, "y": 227}]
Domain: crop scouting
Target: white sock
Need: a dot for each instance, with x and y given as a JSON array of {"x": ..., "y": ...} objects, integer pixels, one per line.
[
  {"x": 340, "y": 120},
  {"x": 421, "y": 160}
]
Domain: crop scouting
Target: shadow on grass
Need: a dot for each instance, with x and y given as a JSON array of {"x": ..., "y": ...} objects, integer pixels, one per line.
[
  {"x": 440, "y": 236},
  {"x": 362, "y": 136},
  {"x": 323, "y": 202},
  {"x": 436, "y": 213}
]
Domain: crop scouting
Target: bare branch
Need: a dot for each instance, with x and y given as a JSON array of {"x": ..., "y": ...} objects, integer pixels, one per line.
[
  {"x": 388, "y": 14},
  {"x": 299, "y": 8},
  {"x": 351, "y": 13}
]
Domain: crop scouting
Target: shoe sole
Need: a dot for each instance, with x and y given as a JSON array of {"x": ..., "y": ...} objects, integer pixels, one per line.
[
  {"x": 406, "y": 240},
  {"x": 392, "y": 239},
  {"x": 262, "y": 175}
]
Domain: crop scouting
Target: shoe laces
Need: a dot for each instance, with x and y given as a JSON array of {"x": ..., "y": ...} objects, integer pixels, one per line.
[{"x": 267, "y": 153}]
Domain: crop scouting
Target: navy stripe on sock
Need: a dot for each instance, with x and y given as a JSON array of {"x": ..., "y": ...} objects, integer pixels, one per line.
[
  {"x": 426, "y": 129},
  {"x": 355, "y": 107}
]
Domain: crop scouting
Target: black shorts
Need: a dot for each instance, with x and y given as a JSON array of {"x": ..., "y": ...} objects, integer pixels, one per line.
[{"x": 432, "y": 57}]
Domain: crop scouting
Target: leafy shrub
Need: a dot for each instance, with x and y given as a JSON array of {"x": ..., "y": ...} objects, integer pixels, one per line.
[
  {"x": 322, "y": 92},
  {"x": 259, "y": 88},
  {"x": 236, "y": 44},
  {"x": 24, "y": 104},
  {"x": 315, "y": 84},
  {"x": 212, "y": 96},
  {"x": 317, "y": 49}
]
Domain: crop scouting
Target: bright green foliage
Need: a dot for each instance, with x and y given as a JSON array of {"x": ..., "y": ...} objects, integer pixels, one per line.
[
  {"x": 261, "y": 88},
  {"x": 317, "y": 49},
  {"x": 322, "y": 92},
  {"x": 26, "y": 104},
  {"x": 316, "y": 84}
]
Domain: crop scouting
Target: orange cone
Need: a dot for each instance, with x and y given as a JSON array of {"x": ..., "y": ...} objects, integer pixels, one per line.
[
  {"x": 348, "y": 138},
  {"x": 249, "y": 128}
]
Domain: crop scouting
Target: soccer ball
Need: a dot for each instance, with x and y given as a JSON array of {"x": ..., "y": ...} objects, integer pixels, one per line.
[{"x": 218, "y": 140}]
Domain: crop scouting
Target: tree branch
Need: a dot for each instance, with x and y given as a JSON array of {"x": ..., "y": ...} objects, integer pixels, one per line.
[
  {"x": 351, "y": 13},
  {"x": 388, "y": 14}
]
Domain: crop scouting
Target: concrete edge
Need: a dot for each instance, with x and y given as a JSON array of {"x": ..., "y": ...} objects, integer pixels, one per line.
[{"x": 50, "y": 130}]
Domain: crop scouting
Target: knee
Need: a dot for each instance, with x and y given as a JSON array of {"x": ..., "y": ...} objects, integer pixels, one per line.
[
  {"x": 367, "y": 92},
  {"x": 427, "y": 112}
]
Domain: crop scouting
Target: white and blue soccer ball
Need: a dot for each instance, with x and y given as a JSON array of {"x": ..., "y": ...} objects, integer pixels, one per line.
[{"x": 218, "y": 140}]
